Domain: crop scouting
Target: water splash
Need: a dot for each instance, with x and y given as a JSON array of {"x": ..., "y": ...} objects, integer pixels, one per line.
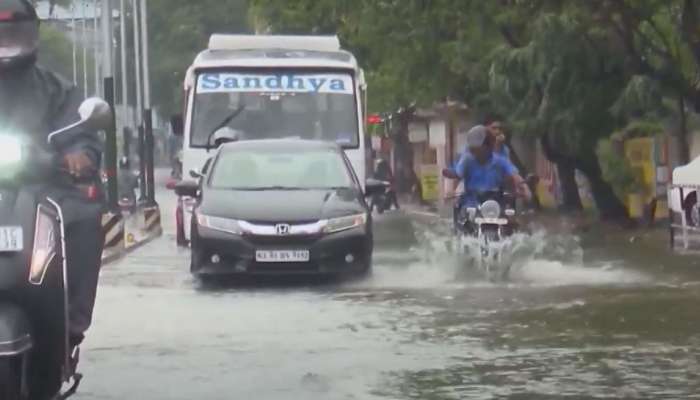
[{"x": 533, "y": 259}]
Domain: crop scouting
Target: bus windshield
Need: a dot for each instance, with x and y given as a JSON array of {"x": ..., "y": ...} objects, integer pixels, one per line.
[{"x": 319, "y": 106}]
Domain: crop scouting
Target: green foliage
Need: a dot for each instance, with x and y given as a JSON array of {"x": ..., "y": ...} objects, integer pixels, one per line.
[
  {"x": 179, "y": 30},
  {"x": 616, "y": 170},
  {"x": 56, "y": 51}
]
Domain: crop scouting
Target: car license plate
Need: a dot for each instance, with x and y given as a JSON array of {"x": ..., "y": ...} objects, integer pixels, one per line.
[
  {"x": 492, "y": 221},
  {"x": 11, "y": 239},
  {"x": 282, "y": 256}
]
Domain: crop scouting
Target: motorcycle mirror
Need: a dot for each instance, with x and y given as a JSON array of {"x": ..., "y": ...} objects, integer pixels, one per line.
[{"x": 95, "y": 114}]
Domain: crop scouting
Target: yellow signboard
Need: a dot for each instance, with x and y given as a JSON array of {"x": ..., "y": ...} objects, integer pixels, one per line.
[{"x": 430, "y": 182}]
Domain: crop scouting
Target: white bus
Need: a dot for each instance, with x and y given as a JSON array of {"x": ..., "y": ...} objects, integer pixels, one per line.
[{"x": 273, "y": 87}]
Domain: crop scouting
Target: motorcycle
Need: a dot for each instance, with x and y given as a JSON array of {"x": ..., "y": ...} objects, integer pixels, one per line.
[
  {"x": 486, "y": 225},
  {"x": 36, "y": 360},
  {"x": 382, "y": 201}
]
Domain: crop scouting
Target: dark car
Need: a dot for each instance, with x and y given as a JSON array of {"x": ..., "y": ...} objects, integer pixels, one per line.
[{"x": 280, "y": 207}]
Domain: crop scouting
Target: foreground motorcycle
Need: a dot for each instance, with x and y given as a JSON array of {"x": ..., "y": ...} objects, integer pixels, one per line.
[
  {"x": 35, "y": 358},
  {"x": 486, "y": 223}
]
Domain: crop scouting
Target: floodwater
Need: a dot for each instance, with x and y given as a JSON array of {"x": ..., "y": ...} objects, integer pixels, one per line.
[{"x": 580, "y": 318}]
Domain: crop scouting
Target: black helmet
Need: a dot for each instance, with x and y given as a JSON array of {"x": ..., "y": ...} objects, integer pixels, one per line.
[{"x": 19, "y": 33}]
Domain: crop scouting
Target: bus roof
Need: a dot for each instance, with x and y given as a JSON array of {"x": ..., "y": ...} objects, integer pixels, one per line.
[{"x": 271, "y": 51}]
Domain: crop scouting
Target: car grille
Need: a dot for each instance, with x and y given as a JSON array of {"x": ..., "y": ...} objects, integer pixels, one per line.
[{"x": 296, "y": 240}]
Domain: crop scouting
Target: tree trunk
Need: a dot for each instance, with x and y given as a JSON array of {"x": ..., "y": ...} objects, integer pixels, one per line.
[
  {"x": 609, "y": 205},
  {"x": 403, "y": 152},
  {"x": 571, "y": 200},
  {"x": 683, "y": 145}
]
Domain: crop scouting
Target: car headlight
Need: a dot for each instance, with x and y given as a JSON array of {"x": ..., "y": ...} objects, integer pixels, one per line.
[
  {"x": 10, "y": 150},
  {"x": 220, "y": 224},
  {"x": 344, "y": 223},
  {"x": 44, "y": 246},
  {"x": 490, "y": 209}
]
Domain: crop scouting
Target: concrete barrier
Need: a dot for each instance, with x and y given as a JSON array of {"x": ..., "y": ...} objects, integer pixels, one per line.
[{"x": 127, "y": 232}]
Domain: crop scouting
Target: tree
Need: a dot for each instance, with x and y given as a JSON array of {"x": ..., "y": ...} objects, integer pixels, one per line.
[{"x": 179, "y": 29}]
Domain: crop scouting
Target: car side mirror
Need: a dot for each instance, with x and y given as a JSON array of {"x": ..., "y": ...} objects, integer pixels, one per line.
[
  {"x": 177, "y": 123},
  {"x": 187, "y": 189},
  {"x": 375, "y": 186},
  {"x": 195, "y": 174}
]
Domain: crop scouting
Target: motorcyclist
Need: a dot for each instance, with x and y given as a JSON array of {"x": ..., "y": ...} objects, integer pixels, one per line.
[
  {"x": 382, "y": 172},
  {"x": 495, "y": 128},
  {"x": 483, "y": 170},
  {"x": 33, "y": 102}
]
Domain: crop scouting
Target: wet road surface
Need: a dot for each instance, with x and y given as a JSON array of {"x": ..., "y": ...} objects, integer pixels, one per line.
[{"x": 579, "y": 319}]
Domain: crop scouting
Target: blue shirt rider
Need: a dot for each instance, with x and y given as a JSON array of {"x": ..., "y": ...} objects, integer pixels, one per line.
[{"x": 483, "y": 170}]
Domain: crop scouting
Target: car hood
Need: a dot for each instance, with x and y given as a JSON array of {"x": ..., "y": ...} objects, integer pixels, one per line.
[{"x": 280, "y": 205}]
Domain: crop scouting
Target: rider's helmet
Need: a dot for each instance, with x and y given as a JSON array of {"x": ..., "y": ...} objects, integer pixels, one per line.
[{"x": 19, "y": 34}]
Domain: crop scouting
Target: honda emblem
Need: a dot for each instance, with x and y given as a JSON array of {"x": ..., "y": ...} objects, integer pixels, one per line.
[{"x": 283, "y": 229}]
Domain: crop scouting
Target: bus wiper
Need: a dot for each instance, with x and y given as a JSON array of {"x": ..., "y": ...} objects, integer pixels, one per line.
[
  {"x": 266, "y": 188},
  {"x": 224, "y": 123}
]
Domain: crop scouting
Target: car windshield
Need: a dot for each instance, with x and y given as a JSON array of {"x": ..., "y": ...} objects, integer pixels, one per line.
[
  {"x": 276, "y": 105},
  {"x": 272, "y": 169}
]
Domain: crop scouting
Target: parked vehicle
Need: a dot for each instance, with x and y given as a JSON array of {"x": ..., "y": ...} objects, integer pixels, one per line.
[
  {"x": 280, "y": 207},
  {"x": 35, "y": 357}
]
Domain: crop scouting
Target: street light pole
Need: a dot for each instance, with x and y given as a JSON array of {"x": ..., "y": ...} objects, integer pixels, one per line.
[
  {"x": 74, "y": 39},
  {"x": 147, "y": 111},
  {"x": 124, "y": 75},
  {"x": 96, "y": 43},
  {"x": 135, "y": 6},
  {"x": 108, "y": 73},
  {"x": 83, "y": 40}
]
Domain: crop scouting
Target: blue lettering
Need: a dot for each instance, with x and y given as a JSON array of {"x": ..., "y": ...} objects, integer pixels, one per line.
[
  {"x": 210, "y": 81},
  {"x": 252, "y": 83},
  {"x": 295, "y": 83},
  {"x": 231, "y": 83},
  {"x": 338, "y": 84},
  {"x": 273, "y": 82},
  {"x": 317, "y": 84}
]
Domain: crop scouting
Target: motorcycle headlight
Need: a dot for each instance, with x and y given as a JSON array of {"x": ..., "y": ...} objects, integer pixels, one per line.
[
  {"x": 10, "y": 150},
  {"x": 44, "y": 246},
  {"x": 344, "y": 223},
  {"x": 490, "y": 209},
  {"x": 220, "y": 224}
]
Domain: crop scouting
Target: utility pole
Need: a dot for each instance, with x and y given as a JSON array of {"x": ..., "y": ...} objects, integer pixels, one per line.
[
  {"x": 147, "y": 112},
  {"x": 83, "y": 40},
  {"x": 108, "y": 73},
  {"x": 135, "y": 6},
  {"x": 124, "y": 75}
]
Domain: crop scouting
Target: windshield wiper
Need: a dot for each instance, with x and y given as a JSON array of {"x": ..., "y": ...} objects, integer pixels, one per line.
[{"x": 224, "y": 123}]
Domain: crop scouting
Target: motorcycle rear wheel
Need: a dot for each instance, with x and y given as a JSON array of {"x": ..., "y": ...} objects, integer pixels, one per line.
[{"x": 11, "y": 379}]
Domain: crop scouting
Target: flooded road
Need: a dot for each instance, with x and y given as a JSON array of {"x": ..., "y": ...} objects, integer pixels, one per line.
[{"x": 579, "y": 319}]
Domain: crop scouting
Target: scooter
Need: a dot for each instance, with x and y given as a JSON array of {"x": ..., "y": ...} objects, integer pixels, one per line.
[{"x": 35, "y": 357}]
